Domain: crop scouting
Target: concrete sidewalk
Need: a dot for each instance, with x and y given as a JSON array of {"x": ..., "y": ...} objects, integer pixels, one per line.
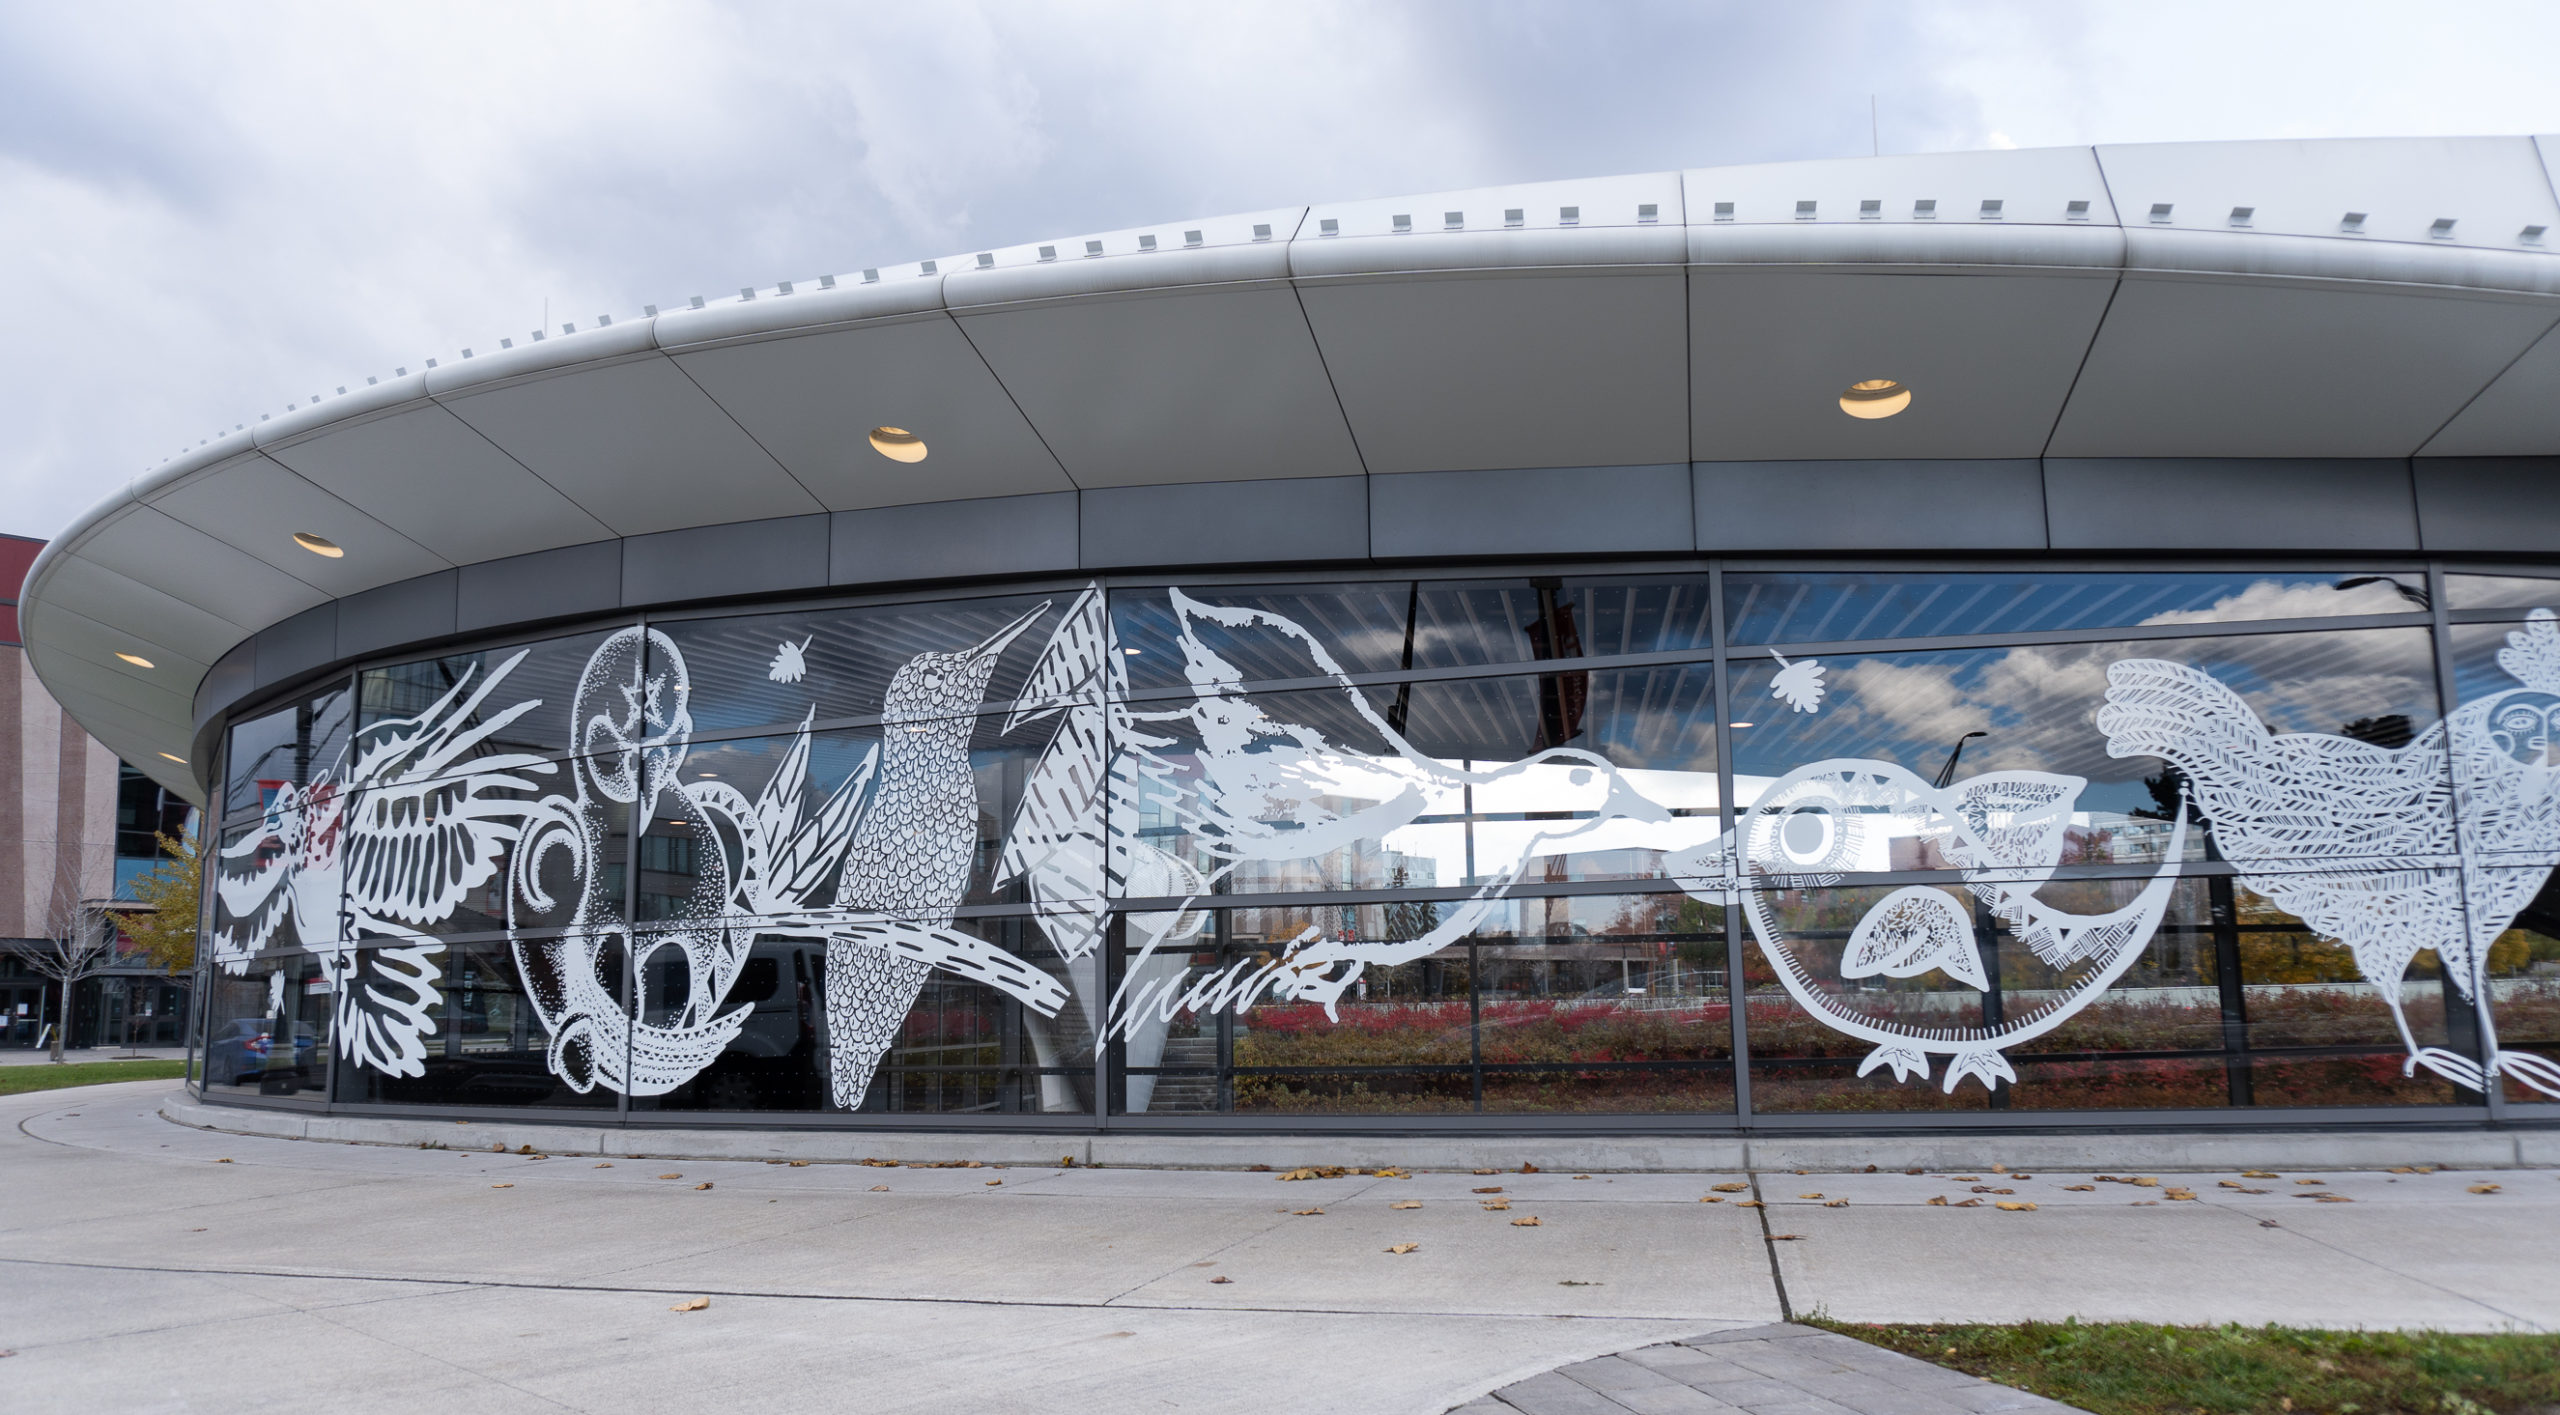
[
  {"x": 43, "y": 1056},
  {"x": 161, "y": 1265}
]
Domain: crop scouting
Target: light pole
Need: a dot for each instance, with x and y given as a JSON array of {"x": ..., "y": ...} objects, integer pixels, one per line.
[{"x": 1947, "y": 773}]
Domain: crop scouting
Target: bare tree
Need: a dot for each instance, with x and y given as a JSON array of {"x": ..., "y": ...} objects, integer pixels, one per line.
[{"x": 79, "y": 939}]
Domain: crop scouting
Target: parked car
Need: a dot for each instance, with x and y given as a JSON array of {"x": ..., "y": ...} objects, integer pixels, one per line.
[{"x": 246, "y": 1050}]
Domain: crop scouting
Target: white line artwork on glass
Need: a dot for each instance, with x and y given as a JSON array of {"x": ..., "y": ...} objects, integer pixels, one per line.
[
  {"x": 391, "y": 848},
  {"x": 910, "y": 855},
  {"x": 1798, "y": 684},
  {"x": 2356, "y": 840},
  {"x": 2002, "y": 832},
  {"x": 776, "y": 867}
]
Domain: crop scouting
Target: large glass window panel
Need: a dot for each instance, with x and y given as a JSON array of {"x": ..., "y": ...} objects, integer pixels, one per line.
[
  {"x": 1582, "y": 775},
  {"x": 2505, "y": 743},
  {"x": 1832, "y": 607},
  {"x": 965, "y": 1047},
  {"x": 2502, "y": 591},
  {"x": 774, "y": 669},
  {"x": 484, "y": 1041},
  {"x": 1389, "y": 625},
  {"x": 2521, "y": 977},
  {"x": 460, "y": 693},
  {"x": 2047, "y": 708},
  {"x": 905, "y": 816},
  {"x": 1605, "y": 1003},
  {"x": 2230, "y": 1001},
  {"x": 269, "y": 1029},
  {"x": 295, "y": 746},
  {"x": 413, "y": 864}
]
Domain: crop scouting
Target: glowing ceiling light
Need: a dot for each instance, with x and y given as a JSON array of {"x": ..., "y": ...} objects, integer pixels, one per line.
[
  {"x": 318, "y": 545},
  {"x": 1874, "y": 398},
  {"x": 897, "y": 444},
  {"x": 135, "y": 659},
  {"x": 182, "y": 761}
]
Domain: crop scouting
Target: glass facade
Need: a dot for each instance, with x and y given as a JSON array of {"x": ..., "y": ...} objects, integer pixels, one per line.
[{"x": 1716, "y": 846}]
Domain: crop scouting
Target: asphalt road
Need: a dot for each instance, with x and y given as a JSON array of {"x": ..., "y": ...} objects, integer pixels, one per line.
[{"x": 154, "y": 1267}]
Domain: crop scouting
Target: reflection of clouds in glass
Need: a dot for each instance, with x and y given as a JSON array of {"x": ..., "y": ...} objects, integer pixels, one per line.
[
  {"x": 2038, "y": 702},
  {"x": 2296, "y": 599}
]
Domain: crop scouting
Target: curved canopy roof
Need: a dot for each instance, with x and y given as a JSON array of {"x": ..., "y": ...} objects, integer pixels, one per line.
[{"x": 2381, "y": 298}]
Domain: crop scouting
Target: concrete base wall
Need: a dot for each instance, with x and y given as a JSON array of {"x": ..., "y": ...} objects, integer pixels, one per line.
[{"x": 2213, "y": 1150}]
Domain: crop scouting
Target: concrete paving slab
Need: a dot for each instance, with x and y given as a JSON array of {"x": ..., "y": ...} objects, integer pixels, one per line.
[{"x": 516, "y": 1281}]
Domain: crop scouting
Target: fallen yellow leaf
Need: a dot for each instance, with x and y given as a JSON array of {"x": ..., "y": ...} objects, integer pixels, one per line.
[
  {"x": 1835, "y": 1203},
  {"x": 604, "y": 1164},
  {"x": 798, "y": 1164},
  {"x": 1809, "y": 1196},
  {"x": 2260, "y": 1174},
  {"x": 993, "y": 1183},
  {"x": 502, "y": 1186},
  {"x": 2484, "y": 1189},
  {"x": 2188, "y": 1195},
  {"x": 1495, "y": 1206},
  {"x": 2146, "y": 1183},
  {"x": 1966, "y": 1204},
  {"x": 1749, "y": 1204},
  {"x": 1529, "y": 1222},
  {"x": 1711, "y": 1199},
  {"x": 671, "y": 1176},
  {"x": 2012, "y": 1205},
  {"x": 1404, "y": 1247},
  {"x": 1731, "y": 1188},
  {"x": 1487, "y": 1171},
  {"x": 1784, "y": 1237},
  {"x": 222, "y": 1161},
  {"x": 1937, "y": 1202},
  {"x": 695, "y": 1305},
  {"x": 879, "y": 1188},
  {"x": 1490, "y": 1189},
  {"x": 1306, "y": 1213},
  {"x": 1222, "y": 1279},
  {"x": 1406, "y": 1204},
  {"x": 703, "y": 1185},
  {"x": 2311, "y": 1181},
  {"x": 2081, "y": 1188}
]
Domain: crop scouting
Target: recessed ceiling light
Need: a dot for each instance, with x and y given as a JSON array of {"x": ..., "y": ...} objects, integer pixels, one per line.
[
  {"x": 1740, "y": 724},
  {"x": 1874, "y": 398},
  {"x": 897, "y": 444},
  {"x": 706, "y": 775},
  {"x": 318, "y": 545},
  {"x": 182, "y": 761},
  {"x": 135, "y": 659},
  {"x": 1133, "y": 653}
]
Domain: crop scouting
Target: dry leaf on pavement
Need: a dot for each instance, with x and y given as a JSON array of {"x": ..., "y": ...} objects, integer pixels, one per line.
[
  {"x": 1937, "y": 1201},
  {"x": 1306, "y": 1213},
  {"x": 502, "y": 1186},
  {"x": 695, "y": 1305},
  {"x": 879, "y": 1188},
  {"x": 1711, "y": 1199},
  {"x": 2081, "y": 1188},
  {"x": 1531, "y": 1221},
  {"x": 2483, "y": 1189},
  {"x": 1835, "y": 1203},
  {"x": 1222, "y": 1279},
  {"x": 2012, "y": 1205},
  {"x": 1406, "y": 1204},
  {"x": 703, "y": 1185},
  {"x": 1735, "y": 1188},
  {"x": 671, "y": 1176},
  {"x": 1404, "y": 1247},
  {"x": 1489, "y": 1189}
]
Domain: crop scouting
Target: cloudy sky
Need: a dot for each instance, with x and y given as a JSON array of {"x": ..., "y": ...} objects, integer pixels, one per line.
[{"x": 207, "y": 211}]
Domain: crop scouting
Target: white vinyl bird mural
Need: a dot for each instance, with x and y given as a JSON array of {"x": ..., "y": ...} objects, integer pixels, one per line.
[
  {"x": 778, "y": 867},
  {"x": 1244, "y": 784},
  {"x": 2003, "y": 832},
  {"x": 361, "y": 862},
  {"x": 2362, "y": 842}
]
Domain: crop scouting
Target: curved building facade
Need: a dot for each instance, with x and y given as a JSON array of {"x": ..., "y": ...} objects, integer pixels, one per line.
[{"x": 2055, "y": 639}]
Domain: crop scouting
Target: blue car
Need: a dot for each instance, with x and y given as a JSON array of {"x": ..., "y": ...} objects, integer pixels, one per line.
[{"x": 246, "y": 1050}]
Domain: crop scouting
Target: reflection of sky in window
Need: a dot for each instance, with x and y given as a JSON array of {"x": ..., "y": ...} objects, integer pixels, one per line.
[
  {"x": 848, "y": 656},
  {"x": 1454, "y": 624},
  {"x": 282, "y": 746},
  {"x": 2501, "y": 592},
  {"x": 2038, "y": 703},
  {"x": 1829, "y": 608}
]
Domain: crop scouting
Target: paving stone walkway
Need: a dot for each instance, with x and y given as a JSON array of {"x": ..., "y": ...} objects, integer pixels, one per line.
[{"x": 1778, "y": 1369}]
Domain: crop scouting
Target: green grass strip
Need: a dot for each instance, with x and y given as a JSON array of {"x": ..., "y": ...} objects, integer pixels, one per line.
[
  {"x": 45, "y": 1076},
  {"x": 2138, "y": 1368}
]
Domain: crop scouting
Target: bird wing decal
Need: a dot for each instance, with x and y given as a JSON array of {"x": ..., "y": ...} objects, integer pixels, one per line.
[
  {"x": 253, "y": 884},
  {"x": 793, "y": 851},
  {"x": 425, "y": 835},
  {"x": 2296, "y": 796},
  {"x": 1056, "y": 843}
]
